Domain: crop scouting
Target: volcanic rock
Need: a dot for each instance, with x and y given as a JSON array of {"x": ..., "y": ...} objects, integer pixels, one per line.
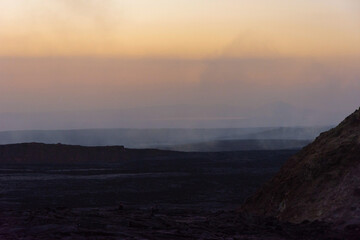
[{"x": 321, "y": 182}]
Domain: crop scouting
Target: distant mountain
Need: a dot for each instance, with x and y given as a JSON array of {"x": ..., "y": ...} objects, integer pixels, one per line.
[
  {"x": 239, "y": 145},
  {"x": 173, "y": 116},
  {"x": 134, "y": 138},
  {"x": 145, "y": 138},
  {"x": 321, "y": 182},
  {"x": 299, "y": 133},
  {"x": 39, "y": 153}
]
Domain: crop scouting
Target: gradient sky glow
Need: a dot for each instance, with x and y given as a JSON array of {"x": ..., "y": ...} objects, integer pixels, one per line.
[
  {"x": 179, "y": 28},
  {"x": 87, "y": 55}
]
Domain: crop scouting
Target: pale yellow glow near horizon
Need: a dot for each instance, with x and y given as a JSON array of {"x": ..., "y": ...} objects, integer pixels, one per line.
[{"x": 179, "y": 28}]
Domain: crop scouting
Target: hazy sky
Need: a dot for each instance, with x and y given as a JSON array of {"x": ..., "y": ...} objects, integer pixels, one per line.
[
  {"x": 70, "y": 55},
  {"x": 179, "y": 28}
]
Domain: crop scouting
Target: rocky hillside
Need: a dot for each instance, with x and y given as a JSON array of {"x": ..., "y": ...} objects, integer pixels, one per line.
[{"x": 321, "y": 182}]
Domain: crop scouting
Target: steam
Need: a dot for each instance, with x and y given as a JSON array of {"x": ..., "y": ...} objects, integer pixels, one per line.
[
  {"x": 113, "y": 93},
  {"x": 67, "y": 22},
  {"x": 176, "y": 139},
  {"x": 102, "y": 14}
]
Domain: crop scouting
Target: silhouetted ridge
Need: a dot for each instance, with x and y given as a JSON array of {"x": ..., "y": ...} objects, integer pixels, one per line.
[
  {"x": 60, "y": 153},
  {"x": 321, "y": 182}
]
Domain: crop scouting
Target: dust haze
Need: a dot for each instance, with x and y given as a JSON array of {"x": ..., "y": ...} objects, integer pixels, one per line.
[{"x": 68, "y": 93}]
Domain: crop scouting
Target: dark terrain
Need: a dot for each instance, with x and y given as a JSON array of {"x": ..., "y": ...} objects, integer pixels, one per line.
[
  {"x": 75, "y": 192},
  {"x": 195, "y": 180},
  {"x": 153, "y": 196},
  {"x": 110, "y": 223}
]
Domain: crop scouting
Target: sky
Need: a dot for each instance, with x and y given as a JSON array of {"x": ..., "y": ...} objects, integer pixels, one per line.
[
  {"x": 179, "y": 28},
  {"x": 93, "y": 55}
]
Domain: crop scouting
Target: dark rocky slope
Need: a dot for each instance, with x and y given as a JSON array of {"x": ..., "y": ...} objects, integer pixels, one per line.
[{"x": 321, "y": 182}]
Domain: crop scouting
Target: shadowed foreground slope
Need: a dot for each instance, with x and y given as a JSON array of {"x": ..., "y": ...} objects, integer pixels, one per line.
[{"x": 321, "y": 182}]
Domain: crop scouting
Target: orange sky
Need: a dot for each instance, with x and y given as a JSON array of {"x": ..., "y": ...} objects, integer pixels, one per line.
[
  {"x": 179, "y": 28},
  {"x": 74, "y": 55}
]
